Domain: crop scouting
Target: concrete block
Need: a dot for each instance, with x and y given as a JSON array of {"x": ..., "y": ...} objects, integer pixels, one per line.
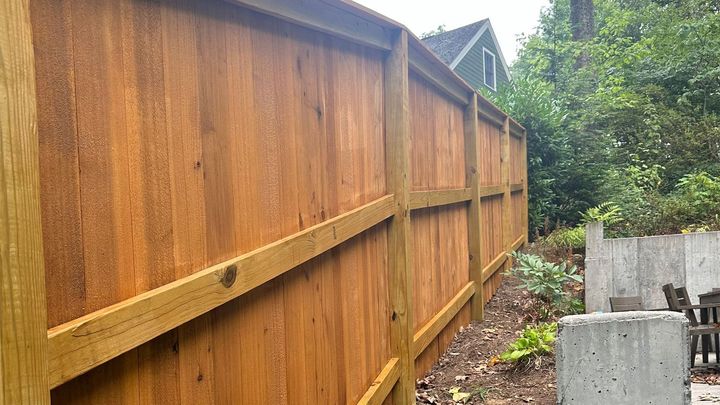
[{"x": 623, "y": 358}]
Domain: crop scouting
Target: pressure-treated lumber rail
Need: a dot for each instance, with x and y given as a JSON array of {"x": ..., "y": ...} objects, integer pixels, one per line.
[
  {"x": 494, "y": 265},
  {"x": 427, "y": 199},
  {"x": 489, "y": 191},
  {"x": 434, "y": 326},
  {"x": 80, "y": 345},
  {"x": 383, "y": 384}
]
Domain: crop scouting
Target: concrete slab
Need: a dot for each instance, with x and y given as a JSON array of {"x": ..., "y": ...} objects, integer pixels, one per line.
[
  {"x": 623, "y": 358},
  {"x": 705, "y": 394}
]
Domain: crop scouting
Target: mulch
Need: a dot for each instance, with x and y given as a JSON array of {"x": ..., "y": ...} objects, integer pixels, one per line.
[{"x": 470, "y": 364}]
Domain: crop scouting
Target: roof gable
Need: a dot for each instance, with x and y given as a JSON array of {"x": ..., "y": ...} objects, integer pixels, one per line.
[
  {"x": 453, "y": 45},
  {"x": 448, "y": 45}
]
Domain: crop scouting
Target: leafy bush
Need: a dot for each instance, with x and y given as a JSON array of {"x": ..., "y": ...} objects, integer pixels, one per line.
[
  {"x": 543, "y": 279},
  {"x": 532, "y": 344},
  {"x": 571, "y": 238}
]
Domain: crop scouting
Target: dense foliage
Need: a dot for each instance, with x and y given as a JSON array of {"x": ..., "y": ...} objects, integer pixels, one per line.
[{"x": 638, "y": 124}]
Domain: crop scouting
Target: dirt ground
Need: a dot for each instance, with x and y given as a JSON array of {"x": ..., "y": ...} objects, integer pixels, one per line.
[
  {"x": 469, "y": 366},
  {"x": 468, "y": 363}
]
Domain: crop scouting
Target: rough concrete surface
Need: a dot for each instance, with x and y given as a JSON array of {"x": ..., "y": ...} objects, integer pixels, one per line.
[
  {"x": 623, "y": 358},
  {"x": 641, "y": 266}
]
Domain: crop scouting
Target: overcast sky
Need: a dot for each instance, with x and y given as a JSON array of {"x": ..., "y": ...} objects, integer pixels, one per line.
[{"x": 509, "y": 18}]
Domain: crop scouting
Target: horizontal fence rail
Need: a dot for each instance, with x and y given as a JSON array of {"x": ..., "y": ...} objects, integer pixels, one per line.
[
  {"x": 87, "y": 342},
  {"x": 427, "y": 199},
  {"x": 175, "y": 136}
]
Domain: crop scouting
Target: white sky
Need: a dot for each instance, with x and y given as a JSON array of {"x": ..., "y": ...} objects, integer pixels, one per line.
[{"x": 509, "y": 18}]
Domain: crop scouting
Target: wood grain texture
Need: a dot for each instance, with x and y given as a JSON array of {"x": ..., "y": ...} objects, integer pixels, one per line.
[
  {"x": 423, "y": 67},
  {"x": 492, "y": 191},
  {"x": 440, "y": 234},
  {"x": 23, "y": 348},
  {"x": 427, "y": 199},
  {"x": 475, "y": 220},
  {"x": 82, "y": 344},
  {"x": 397, "y": 138},
  {"x": 507, "y": 212},
  {"x": 383, "y": 384},
  {"x": 57, "y": 129},
  {"x": 325, "y": 17},
  {"x": 437, "y": 323},
  {"x": 176, "y": 135}
]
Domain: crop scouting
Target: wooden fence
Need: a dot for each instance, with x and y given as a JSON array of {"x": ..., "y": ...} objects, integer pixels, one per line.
[{"x": 251, "y": 201}]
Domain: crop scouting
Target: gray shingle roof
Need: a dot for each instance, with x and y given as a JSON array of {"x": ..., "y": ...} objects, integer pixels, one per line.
[{"x": 449, "y": 44}]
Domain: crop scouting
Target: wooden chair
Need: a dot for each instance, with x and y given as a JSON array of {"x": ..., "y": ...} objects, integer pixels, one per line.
[
  {"x": 623, "y": 304},
  {"x": 678, "y": 300}
]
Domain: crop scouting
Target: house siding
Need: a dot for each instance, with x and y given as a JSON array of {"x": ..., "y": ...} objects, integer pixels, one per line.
[{"x": 470, "y": 67}]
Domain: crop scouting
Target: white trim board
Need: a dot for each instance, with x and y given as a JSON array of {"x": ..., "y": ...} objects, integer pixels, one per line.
[
  {"x": 494, "y": 69},
  {"x": 473, "y": 41}
]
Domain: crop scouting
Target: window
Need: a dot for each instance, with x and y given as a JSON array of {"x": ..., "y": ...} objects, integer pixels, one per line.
[{"x": 489, "y": 68}]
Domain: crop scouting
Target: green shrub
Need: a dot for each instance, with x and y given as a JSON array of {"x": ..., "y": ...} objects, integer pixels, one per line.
[
  {"x": 533, "y": 343},
  {"x": 543, "y": 279},
  {"x": 568, "y": 238}
]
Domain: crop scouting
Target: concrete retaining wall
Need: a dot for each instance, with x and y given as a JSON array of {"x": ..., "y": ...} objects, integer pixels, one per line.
[
  {"x": 623, "y": 358},
  {"x": 641, "y": 266}
]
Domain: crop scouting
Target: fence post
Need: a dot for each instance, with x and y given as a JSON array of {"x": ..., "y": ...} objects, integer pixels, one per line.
[
  {"x": 23, "y": 329},
  {"x": 505, "y": 179},
  {"x": 397, "y": 152},
  {"x": 477, "y": 303},
  {"x": 524, "y": 172}
]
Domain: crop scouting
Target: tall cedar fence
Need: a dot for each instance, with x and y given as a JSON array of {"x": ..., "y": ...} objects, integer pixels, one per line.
[{"x": 249, "y": 201}]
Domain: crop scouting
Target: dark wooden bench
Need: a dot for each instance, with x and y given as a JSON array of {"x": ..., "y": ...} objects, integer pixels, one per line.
[
  {"x": 624, "y": 304},
  {"x": 678, "y": 300}
]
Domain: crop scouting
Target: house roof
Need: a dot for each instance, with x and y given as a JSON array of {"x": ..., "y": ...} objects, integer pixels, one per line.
[
  {"x": 452, "y": 46},
  {"x": 449, "y": 44}
]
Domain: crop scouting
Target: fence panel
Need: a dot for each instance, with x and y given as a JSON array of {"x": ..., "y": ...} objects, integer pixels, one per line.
[
  {"x": 440, "y": 237},
  {"x": 220, "y": 130},
  {"x": 493, "y": 247},
  {"x": 254, "y": 202}
]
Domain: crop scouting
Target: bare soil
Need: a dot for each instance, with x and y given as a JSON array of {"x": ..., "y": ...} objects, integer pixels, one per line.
[{"x": 470, "y": 363}]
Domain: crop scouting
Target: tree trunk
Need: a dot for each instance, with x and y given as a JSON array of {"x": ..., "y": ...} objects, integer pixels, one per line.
[{"x": 582, "y": 21}]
